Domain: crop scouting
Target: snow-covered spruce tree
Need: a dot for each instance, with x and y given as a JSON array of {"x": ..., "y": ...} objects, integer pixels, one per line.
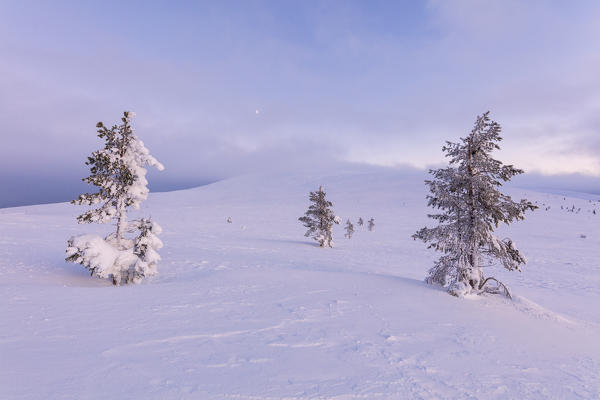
[
  {"x": 349, "y": 229},
  {"x": 471, "y": 206},
  {"x": 360, "y": 222},
  {"x": 371, "y": 225},
  {"x": 319, "y": 218},
  {"x": 118, "y": 170}
]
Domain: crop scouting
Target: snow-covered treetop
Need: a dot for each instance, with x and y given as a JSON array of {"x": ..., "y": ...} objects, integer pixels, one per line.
[
  {"x": 473, "y": 169},
  {"x": 118, "y": 170}
]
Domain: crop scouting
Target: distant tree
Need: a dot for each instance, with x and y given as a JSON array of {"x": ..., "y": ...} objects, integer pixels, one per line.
[
  {"x": 360, "y": 222},
  {"x": 371, "y": 225},
  {"x": 349, "y": 229},
  {"x": 319, "y": 218},
  {"x": 471, "y": 207},
  {"x": 118, "y": 170}
]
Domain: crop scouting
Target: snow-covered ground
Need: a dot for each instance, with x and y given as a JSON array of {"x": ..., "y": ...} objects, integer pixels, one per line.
[{"x": 253, "y": 310}]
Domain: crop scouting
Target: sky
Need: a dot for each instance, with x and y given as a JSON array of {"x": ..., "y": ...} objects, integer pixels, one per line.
[{"x": 223, "y": 88}]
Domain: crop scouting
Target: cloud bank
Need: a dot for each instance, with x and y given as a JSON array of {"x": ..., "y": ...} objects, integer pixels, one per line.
[{"x": 377, "y": 83}]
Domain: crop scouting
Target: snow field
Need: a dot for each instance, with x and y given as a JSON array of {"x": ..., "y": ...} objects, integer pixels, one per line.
[{"x": 254, "y": 310}]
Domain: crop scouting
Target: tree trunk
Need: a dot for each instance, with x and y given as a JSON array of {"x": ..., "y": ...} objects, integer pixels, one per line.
[
  {"x": 121, "y": 221},
  {"x": 121, "y": 217},
  {"x": 476, "y": 275}
]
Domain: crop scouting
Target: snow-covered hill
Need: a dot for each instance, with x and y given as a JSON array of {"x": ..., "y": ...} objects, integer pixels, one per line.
[{"x": 253, "y": 310}]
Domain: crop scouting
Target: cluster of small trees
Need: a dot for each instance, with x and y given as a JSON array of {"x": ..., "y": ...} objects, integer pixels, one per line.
[
  {"x": 320, "y": 218},
  {"x": 570, "y": 208},
  {"x": 350, "y": 226},
  {"x": 465, "y": 194}
]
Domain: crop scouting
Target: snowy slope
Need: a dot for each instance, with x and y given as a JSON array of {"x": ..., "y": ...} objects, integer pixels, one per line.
[{"x": 253, "y": 310}]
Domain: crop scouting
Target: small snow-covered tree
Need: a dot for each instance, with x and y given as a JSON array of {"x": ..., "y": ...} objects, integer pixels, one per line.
[
  {"x": 118, "y": 170},
  {"x": 145, "y": 248},
  {"x": 349, "y": 229},
  {"x": 360, "y": 222},
  {"x": 319, "y": 218},
  {"x": 471, "y": 206},
  {"x": 371, "y": 225}
]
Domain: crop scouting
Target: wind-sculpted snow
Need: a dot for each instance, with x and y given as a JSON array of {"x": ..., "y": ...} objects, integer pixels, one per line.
[{"x": 254, "y": 310}]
